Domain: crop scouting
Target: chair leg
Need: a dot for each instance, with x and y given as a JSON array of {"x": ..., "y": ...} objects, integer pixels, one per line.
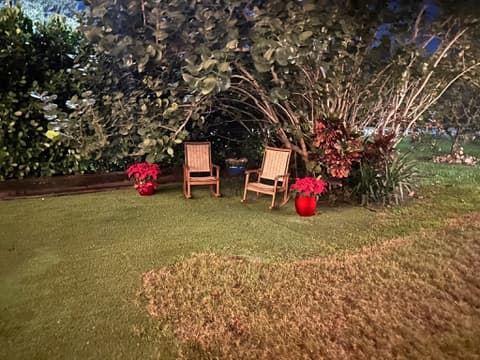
[
  {"x": 244, "y": 199},
  {"x": 189, "y": 191},
  {"x": 216, "y": 193},
  {"x": 273, "y": 200},
  {"x": 286, "y": 197}
]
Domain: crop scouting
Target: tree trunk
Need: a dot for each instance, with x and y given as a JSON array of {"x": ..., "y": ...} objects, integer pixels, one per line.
[{"x": 455, "y": 144}]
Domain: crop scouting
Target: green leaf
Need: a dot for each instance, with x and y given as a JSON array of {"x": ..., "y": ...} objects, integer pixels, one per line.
[
  {"x": 309, "y": 6},
  {"x": 281, "y": 56},
  {"x": 268, "y": 54},
  {"x": 232, "y": 44},
  {"x": 159, "y": 56},
  {"x": 305, "y": 35},
  {"x": 151, "y": 50},
  {"x": 224, "y": 67},
  {"x": 160, "y": 35},
  {"x": 52, "y": 135},
  {"x": 150, "y": 158},
  {"x": 261, "y": 66},
  {"x": 278, "y": 93},
  {"x": 208, "y": 85},
  {"x": 209, "y": 63},
  {"x": 189, "y": 79}
]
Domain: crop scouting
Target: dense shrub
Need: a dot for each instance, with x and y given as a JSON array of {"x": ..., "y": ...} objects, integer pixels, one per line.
[
  {"x": 337, "y": 148},
  {"x": 389, "y": 181},
  {"x": 382, "y": 175},
  {"x": 32, "y": 61},
  {"x": 368, "y": 167}
]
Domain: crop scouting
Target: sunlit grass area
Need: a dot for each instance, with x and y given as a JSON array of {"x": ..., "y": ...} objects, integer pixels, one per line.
[{"x": 71, "y": 272}]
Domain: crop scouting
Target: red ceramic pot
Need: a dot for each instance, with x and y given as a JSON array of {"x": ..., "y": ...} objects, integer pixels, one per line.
[
  {"x": 306, "y": 205},
  {"x": 146, "y": 188}
]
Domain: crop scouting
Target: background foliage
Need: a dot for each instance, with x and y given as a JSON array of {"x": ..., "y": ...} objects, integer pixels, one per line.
[
  {"x": 33, "y": 61},
  {"x": 40, "y": 11}
]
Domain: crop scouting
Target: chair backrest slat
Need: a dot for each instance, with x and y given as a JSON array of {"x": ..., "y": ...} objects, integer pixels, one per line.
[
  {"x": 275, "y": 162},
  {"x": 197, "y": 156}
]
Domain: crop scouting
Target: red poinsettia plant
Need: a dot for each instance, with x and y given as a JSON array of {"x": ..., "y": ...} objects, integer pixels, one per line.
[
  {"x": 309, "y": 186},
  {"x": 145, "y": 175}
]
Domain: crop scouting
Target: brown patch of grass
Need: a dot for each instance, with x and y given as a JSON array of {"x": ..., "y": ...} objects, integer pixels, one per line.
[{"x": 412, "y": 297}]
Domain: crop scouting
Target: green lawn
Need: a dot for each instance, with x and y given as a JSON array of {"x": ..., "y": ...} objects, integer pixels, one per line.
[
  {"x": 430, "y": 146},
  {"x": 71, "y": 266}
]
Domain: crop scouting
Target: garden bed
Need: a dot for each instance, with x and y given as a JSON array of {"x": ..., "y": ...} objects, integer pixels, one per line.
[{"x": 70, "y": 184}]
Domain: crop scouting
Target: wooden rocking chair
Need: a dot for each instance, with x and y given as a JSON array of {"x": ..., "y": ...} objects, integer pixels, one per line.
[
  {"x": 272, "y": 177},
  {"x": 198, "y": 161}
]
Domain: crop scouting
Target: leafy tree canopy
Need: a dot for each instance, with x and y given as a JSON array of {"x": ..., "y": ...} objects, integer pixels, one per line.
[{"x": 168, "y": 65}]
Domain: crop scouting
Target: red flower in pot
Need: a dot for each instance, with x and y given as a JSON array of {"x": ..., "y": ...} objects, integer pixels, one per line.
[
  {"x": 308, "y": 188},
  {"x": 145, "y": 175}
]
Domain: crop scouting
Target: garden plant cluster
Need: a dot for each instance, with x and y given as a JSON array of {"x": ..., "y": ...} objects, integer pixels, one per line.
[
  {"x": 242, "y": 75},
  {"x": 105, "y": 95}
]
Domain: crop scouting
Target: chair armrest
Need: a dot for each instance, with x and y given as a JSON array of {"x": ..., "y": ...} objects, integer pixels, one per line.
[
  {"x": 285, "y": 177},
  {"x": 284, "y": 181},
  {"x": 249, "y": 172}
]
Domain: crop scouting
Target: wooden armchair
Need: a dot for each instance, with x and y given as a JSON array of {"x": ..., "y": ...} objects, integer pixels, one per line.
[
  {"x": 198, "y": 161},
  {"x": 272, "y": 177}
]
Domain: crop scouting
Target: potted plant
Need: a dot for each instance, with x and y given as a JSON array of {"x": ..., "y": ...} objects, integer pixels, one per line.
[
  {"x": 236, "y": 166},
  {"x": 145, "y": 175},
  {"x": 308, "y": 189}
]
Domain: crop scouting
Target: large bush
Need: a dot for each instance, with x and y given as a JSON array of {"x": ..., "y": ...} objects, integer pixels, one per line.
[{"x": 32, "y": 62}]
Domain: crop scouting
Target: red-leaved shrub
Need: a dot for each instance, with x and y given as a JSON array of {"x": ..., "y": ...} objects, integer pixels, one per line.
[{"x": 339, "y": 147}]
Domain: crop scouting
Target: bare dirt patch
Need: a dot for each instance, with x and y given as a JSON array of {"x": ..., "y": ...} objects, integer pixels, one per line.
[{"x": 413, "y": 297}]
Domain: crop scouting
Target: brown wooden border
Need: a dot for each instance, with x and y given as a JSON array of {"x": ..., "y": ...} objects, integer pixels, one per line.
[{"x": 74, "y": 184}]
